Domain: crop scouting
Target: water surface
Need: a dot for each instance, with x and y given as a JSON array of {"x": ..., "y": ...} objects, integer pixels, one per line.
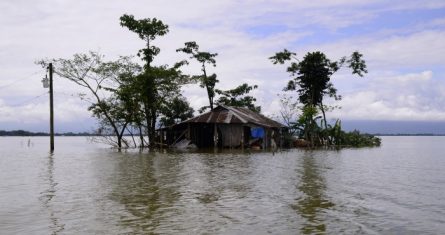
[{"x": 86, "y": 188}]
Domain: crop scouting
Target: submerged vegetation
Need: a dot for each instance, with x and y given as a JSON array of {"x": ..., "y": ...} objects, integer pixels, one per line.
[{"x": 130, "y": 99}]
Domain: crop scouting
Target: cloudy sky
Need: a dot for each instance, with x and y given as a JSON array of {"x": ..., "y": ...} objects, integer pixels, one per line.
[{"x": 403, "y": 42}]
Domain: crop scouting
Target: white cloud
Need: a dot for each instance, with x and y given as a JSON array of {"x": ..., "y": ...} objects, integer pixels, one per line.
[
  {"x": 37, "y": 111},
  {"x": 56, "y": 29},
  {"x": 401, "y": 97},
  {"x": 421, "y": 49}
]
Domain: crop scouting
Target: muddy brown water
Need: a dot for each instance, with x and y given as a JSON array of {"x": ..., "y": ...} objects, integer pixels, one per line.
[{"x": 86, "y": 188}]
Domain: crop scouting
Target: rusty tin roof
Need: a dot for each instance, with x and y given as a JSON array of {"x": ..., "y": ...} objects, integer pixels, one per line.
[{"x": 234, "y": 115}]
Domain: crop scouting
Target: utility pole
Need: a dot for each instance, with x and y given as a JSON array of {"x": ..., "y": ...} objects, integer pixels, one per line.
[
  {"x": 49, "y": 84},
  {"x": 51, "y": 107}
]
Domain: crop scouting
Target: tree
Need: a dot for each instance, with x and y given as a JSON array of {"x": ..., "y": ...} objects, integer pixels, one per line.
[
  {"x": 131, "y": 105},
  {"x": 203, "y": 58},
  {"x": 312, "y": 75},
  {"x": 156, "y": 83},
  {"x": 238, "y": 97},
  {"x": 147, "y": 29},
  {"x": 101, "y": 80},
  {"x": 162, "y": 84},
  {"x": 176, "y": 110},
  {"x": 289, "y": 111}
]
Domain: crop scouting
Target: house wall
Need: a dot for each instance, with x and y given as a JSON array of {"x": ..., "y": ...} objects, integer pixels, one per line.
[
  {"x": 231, "y": 135},
  {"x": 202, "y": 134}
]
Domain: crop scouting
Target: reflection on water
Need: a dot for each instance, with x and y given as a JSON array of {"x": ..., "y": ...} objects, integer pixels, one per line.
[
  {"x": 90, "y": 189},
  {"x": 198, "y": 188},
  {"x": 312, "y": 204},
  {"x": 48, "y": 194},
  {"x": 141, "y": 186}
]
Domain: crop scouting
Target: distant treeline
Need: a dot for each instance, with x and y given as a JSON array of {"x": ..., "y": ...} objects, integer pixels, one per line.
[{"x": 28, "y": 133}]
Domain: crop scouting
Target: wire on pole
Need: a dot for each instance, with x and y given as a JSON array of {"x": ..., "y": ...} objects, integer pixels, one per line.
[{"x": 18, "y": 80}]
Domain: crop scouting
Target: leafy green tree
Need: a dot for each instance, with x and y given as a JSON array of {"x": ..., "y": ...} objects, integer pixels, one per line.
[
  {"x": 147, "y": 30},
  {"x": 307, "y": 123},
  {"x": 157, "y": 83},
  {"x": 175, "y": 111},
  {"x": 101, "y": 80},
  {"x": 163, "y": 82},
  {"x": 208, "y": 82},
  {"x": 238, "y": 97},
  {"x": 312, "y": 76},
  {"x": 127, "y": 93}
]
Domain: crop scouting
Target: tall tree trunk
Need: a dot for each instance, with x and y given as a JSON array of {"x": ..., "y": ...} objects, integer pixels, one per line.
[
  {"x": 207, "y": 86},
  {"x": 152, "y": 131},
  {"x": 324, "y": 115},
  {"x": 132, "y": 136},
  {"x": 147, "y": 119},
  {"x": 328, "y": 139},
  {"x": 141, "y": 136}
]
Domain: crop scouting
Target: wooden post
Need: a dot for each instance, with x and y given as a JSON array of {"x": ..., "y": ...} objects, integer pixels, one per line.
[
  {"x": 242, "y": 137},
  {"x": 265, "y": 139},
  {"x": 162, "y": 138},
  {"x": 215, "y": 136},
  {"x": 230, "y": 138}
]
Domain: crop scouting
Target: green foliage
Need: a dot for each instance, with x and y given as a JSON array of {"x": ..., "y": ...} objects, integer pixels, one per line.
[
  {"x": 147, "y": 30},
  {"x": 312, "y": 75},
  {"x": 157, "y": 86},
  {"x": 175, "y": 111},
  {"x": 282, "y": 57},
  {"x": 113, "y": 107},
  {"x": 357, "y": 64},
  {"x": 307, "y": 124},
  {"x": 354, "y": 138},
  {"x": 192, "y": 48},
  {"x": 312, "y": 82},
  {"x": 206, "y": 81},
  {"x": 238, "y": 97},
  {"x": 124, "y": 95}
]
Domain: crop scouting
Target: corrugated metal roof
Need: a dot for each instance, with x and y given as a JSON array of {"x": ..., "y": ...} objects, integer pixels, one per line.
[{"x": 229, "y": 114}]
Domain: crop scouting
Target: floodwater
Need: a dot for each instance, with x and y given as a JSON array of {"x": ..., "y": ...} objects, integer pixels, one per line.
[{"x": 86, "y": 188}]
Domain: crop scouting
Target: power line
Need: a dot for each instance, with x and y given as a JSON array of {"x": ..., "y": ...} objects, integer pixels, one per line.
[
  {"x": 64, "y": 94},
  {"x": 28, "y": 100},
  {"x": 19, "y": 80}
]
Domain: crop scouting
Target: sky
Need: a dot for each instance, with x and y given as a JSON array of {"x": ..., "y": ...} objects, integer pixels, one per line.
[{"x": 403, "y": 43}]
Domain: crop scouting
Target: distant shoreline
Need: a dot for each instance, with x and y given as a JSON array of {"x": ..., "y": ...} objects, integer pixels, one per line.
[{"x": 29, "y": 134}]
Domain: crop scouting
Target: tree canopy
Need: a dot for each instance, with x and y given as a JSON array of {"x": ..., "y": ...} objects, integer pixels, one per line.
[
  {"x": 147, "y": 29},
  {"x": 126, "y": 97},
  {"x": 204, "y": 58},
  {"x": 156, "y": 86},
  {"x": 311, "y": 79},
  {"x": 238, "y": 97}
]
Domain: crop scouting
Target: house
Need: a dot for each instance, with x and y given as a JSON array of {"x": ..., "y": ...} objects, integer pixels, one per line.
[{"x": 225, "y": 127}]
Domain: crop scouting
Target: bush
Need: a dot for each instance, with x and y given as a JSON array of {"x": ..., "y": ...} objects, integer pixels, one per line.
[{"x": 357, "y": 139}]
